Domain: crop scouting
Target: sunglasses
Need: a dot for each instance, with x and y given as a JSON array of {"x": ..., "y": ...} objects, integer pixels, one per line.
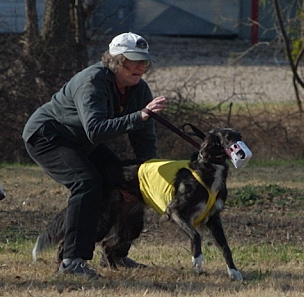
[{"x": 145, "y": 63}]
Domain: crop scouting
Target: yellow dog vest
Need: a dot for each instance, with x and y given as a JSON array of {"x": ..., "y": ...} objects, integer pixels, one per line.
[{"x": 156, "y": 179}]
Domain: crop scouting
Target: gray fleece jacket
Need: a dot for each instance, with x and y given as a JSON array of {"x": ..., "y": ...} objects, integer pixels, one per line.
[{"x": 86, "y": 112}]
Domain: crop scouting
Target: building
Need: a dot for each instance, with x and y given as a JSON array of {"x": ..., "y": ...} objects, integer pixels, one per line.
[{"x": 215, "y": 18}]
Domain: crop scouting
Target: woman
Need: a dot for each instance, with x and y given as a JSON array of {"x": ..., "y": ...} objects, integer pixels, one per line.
[{"x": 67, "y": 137}]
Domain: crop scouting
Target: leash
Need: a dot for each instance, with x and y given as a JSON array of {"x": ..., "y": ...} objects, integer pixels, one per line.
[{"x": 173, "y": 128}]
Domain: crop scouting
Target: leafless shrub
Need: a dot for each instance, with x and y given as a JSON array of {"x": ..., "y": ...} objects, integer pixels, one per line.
[{"x": 206, "y": 97}]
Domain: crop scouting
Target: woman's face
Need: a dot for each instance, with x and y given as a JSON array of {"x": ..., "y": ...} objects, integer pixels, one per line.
[{"x": 131, "y": 72}]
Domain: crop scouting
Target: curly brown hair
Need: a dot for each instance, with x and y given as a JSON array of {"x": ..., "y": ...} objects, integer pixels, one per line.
[{"x": 115, "y": 62}]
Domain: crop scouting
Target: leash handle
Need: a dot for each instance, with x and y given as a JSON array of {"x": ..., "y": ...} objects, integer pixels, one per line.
[
  {"x": 195, "y": 131},
  {"x": 171, "y": 127}
]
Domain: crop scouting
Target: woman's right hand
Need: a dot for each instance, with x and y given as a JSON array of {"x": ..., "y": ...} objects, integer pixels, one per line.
[{"x": 157, "y": 105}]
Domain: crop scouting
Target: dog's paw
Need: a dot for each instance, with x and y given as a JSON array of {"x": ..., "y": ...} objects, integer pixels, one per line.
[
  {"x": 234, "y": 274},
  {"x": 197, "y": 263}
]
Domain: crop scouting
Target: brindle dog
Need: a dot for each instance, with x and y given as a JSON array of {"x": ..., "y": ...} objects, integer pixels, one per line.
[{"x": 199, "y": 195}]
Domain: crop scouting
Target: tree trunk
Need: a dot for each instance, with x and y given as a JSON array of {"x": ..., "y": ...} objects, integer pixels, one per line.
[
  {"x": 63, "y": 44},
  {"x": 301, "y": 18},
  {"x": 29, "y": 68},
  {"x": 56, "y": 41},
  {"x": 78, "y": 21},
  {"x": 293, "y": 65},
  {"x": 31, "y": 27}
]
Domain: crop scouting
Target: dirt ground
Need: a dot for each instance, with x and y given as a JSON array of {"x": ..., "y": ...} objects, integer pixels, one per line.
[
  {"x": 33, "y": 199},
  {"x": 218, "y": 70},
  {"x": 236, "y": 70},
  {"x": 251, "y": 74}
]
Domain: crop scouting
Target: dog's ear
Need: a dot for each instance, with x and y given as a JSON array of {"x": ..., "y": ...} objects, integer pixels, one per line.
[
  {"x": 210, "y": 141},
  {"x": 225, "y": 135}
]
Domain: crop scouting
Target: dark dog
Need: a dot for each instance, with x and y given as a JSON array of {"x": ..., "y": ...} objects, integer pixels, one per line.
[
  {"x": 2, "y": 196},
  {"x": 198, "y": 195}
]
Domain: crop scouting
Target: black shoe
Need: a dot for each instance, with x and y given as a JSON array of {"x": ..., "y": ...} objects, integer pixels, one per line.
[
  {"x": 128, "y": 263},
  {"x": 125, "y": 262},
  {"x": 78, "y": 267}
]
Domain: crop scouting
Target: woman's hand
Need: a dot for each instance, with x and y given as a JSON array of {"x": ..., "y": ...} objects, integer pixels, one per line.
[{"x": 156, "y": 105}]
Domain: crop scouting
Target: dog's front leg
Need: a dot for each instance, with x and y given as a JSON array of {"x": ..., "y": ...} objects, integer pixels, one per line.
[
  {"x": 195, "y": 238},
  {"x": 107, "y": 256},
  {"x": 216, "y": 227},
  {"x": 197, "y": 256}
]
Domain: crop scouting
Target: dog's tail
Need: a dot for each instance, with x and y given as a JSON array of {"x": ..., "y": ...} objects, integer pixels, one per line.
[{"x": 52, "y": 235}]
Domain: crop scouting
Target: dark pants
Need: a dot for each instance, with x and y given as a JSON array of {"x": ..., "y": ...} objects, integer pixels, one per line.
[{"x": 82, "y": 173}]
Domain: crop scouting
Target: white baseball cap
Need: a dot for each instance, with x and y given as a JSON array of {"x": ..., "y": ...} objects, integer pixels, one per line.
[{"x": 132, "y": 46}]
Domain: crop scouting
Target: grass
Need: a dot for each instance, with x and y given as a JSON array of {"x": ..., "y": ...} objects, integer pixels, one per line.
[
  {"x": 267, "y": 269},
  {"x": 264, "y": 233},
  {"x": 250, "y": 195},
  {"x": 254, "y": 106},
  {"x": 276, "y": 163}
]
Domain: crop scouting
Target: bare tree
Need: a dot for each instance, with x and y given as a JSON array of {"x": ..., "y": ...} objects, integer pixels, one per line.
[
  {"x": 35, "y": 64},
  {"x": 31, "y": 26},
  {"x": 297, "y": 80},
  {"x": 59, "y": 50}
]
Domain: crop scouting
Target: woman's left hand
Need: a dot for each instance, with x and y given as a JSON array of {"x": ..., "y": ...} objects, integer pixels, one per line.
[{"x": 157, "y": 105}]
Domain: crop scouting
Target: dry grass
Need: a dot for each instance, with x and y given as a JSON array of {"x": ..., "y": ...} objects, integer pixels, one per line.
[{"x": 266, "y": 239}]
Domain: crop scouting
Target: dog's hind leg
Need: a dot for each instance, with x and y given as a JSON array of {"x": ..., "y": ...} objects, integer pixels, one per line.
[
  {"x": 216, "y": 228},
  {"x": 195, "y": 238},
  {"x": 127, "y": 228}
]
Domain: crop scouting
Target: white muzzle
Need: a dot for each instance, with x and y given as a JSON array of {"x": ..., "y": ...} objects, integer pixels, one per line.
[{"x": 239, "y": 154}]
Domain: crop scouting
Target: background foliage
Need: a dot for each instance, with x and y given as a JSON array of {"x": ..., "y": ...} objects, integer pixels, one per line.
[{"x": 36, "y": 64}]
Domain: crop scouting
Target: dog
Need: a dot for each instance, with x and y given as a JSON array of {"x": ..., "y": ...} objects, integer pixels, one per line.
[
  {"x": 198, "y": 195},
  {"x": 2, "y": 196}
]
